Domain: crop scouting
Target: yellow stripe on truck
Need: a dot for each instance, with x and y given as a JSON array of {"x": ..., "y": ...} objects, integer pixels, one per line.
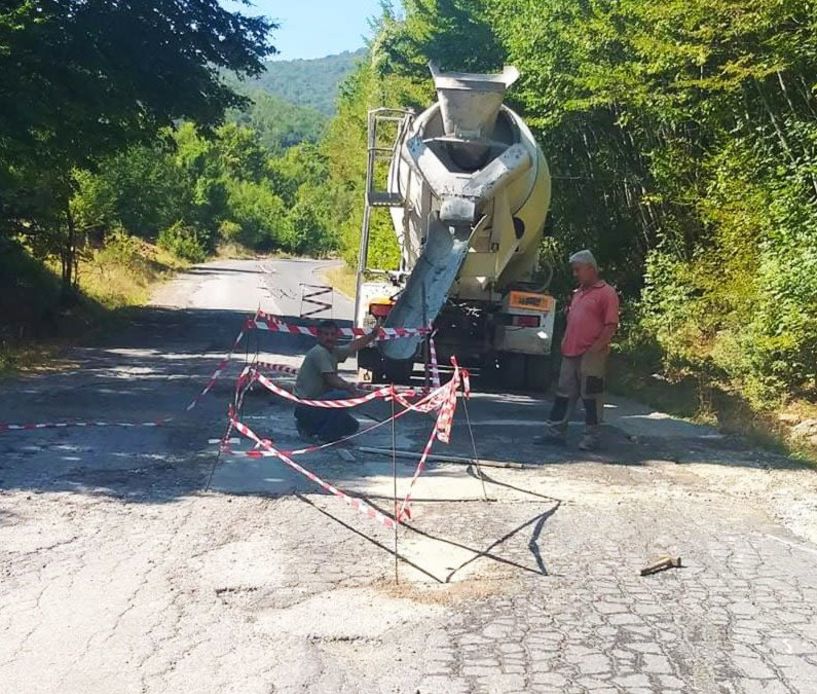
[{"x": 531, "y": 301}]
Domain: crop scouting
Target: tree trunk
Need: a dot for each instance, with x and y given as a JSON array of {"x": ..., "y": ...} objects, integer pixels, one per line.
[{"x": 68, "y": 260}]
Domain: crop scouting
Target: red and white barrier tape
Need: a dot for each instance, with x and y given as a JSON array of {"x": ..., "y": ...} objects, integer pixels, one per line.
[
  {"x": 259, "y": 314},
  {"x": 441, "y": 431},
  {"x": 265, "y": 321},
  {"x": 449, "y": 405},
  {"x": 272, "y": 324},
  {"x": 408, "y": 391},
  {"x": 435, "y": 369},
  {"x": 466, "y": 383},
  {"x": 405, "y": 506},
  {"x": 64, "y": 425},
  {"x": 384, "y": 393},
  {"x": 242, "y": 385},
  {"x": 357, "y": 504},
  {"x": 319, "y": 447},
  {"x": 397, "y": 415}
]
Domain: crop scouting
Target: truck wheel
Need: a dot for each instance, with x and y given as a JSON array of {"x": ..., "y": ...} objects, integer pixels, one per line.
[
  {"x": 538, "y": 373},
  {"x": 398, "y": 371},
  {"x": 511, "y": 372}
]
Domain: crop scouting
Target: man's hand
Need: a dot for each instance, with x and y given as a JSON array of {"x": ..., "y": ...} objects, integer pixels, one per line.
[
  {"x": 335, "y": 382},
  {"x": 602, "y": 343},
  {"x": 372, "y": 336},
  {"x": 365, "y": 340},
  {"x": 375, "y": 330}
]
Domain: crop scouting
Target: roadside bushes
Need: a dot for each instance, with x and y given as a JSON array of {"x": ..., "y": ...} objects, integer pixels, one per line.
[
  {"x": 184, "y": 242},
  {"x": 124, "y": 250},
  {"x": 741, "y": 304},
  {"x": 260, "y": 214}
]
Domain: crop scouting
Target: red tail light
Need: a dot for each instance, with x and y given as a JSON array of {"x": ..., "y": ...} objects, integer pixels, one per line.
[{"x": 526, "y": 321}]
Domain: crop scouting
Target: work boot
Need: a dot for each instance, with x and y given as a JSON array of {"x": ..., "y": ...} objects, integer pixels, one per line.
[
  {"x": 554, "y": 434},
  {"x": 306, "y": 435},
  {"x": 589, "y": 442}
]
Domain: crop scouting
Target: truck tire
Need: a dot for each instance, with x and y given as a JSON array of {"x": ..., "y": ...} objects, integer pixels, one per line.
[
  {"x": 538, "y": 373},
  {"x": 511, "y": 372}
]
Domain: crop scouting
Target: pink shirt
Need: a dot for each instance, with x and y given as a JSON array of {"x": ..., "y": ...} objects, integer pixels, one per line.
[{"x": 590, "y": 310}]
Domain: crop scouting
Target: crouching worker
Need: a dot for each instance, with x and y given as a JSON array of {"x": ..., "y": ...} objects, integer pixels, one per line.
[
  {"x": 318, "y": 380},
  {"x": 592, "y": 319}
]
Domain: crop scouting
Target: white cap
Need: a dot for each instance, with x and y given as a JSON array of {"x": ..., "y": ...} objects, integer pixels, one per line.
[{"x": 585, "y": 257}]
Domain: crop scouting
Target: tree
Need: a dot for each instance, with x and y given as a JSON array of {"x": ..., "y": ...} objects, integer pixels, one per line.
[
  {"x": 85, "y": 78},
  {"x": 682, "y": 139}
]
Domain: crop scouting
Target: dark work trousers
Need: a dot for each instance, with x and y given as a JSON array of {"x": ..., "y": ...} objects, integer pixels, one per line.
[{"x": 326, "y": 423}]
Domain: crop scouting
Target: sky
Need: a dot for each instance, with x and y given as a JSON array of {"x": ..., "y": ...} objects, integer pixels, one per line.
[{"x": 314, "y": 28}]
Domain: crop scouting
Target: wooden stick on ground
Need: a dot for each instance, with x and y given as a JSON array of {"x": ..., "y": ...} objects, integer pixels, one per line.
[{"x": 662, "y": 564}]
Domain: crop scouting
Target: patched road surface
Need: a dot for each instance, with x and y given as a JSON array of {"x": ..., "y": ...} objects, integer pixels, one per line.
[{"x": 135, "y": 559}]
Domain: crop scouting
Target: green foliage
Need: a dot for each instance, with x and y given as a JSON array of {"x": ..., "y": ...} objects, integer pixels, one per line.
[
  {"x": 278, "y": 123},
  {"x": 682, "y": 137},
  {"x": 124, "y": 250},
  {"x": 311, "y": 84},
  {"x": 184, "y": 242},
  {"x": 84, "y": 81},
  {"x": 158, "y": 61},
  {"x": 456, "y": 34},
  {"x": 261, "y": 215},
  {"x": 229, "y": 231},
  {"x": 193, "y": 190}
]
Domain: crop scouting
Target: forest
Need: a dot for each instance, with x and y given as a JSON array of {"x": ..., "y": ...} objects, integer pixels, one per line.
[
  {"x": 309, "y": 83},
  {"x": 681, "y": 135},
  {"x": 682, "y": 139}
]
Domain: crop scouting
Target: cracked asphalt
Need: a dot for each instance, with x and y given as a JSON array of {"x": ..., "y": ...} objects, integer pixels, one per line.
[{"x": 137, "y": 560}]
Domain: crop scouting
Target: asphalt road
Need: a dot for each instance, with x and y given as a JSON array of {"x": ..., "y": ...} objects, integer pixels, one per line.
[{"x": 135, "y": 559}]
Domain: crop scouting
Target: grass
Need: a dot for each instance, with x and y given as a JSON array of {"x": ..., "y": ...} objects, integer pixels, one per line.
[
  {"x": 231, "y": 250},
  {"x": 635, "y": 375},
  {"x": 35, "y": 329},
  {"x": 341, "y": 278},
  {"x": 123, "y": 274}
]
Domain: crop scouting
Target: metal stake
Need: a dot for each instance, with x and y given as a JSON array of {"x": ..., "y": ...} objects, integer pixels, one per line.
[
  {"x": 474, "y": 447},
  {"x": 425, "y": 343},
  {"x": 394, "y": 480}
]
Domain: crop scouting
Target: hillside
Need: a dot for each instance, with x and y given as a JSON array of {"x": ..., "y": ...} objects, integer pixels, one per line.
[
  {"x": 279, "y": 123},
  {"x": 308, "y": 83}
]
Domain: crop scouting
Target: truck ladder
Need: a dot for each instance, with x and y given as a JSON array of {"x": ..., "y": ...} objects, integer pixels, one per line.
[{"x": 382, "y": 149}]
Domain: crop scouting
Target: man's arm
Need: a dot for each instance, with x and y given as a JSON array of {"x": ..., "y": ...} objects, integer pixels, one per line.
[
  {"x": 604, "y": 339},
  {"x": 364, "y": 340},
  {"x": 610, "y": 324},
  {"x": 335, "y": 382}
]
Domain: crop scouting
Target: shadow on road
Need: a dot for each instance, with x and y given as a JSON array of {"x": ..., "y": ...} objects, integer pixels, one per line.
[
  {"x": 221, "y": 270},
  {"x": 152, "y": 364}
]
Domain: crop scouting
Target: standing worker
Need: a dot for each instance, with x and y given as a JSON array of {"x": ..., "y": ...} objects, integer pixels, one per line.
[
  {"x": 592, "y": 319},
  {"x": 318, "y": 380}
]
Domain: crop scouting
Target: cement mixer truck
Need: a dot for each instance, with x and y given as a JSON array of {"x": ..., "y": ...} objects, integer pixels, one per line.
[{"x": 468, "y": 190}]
